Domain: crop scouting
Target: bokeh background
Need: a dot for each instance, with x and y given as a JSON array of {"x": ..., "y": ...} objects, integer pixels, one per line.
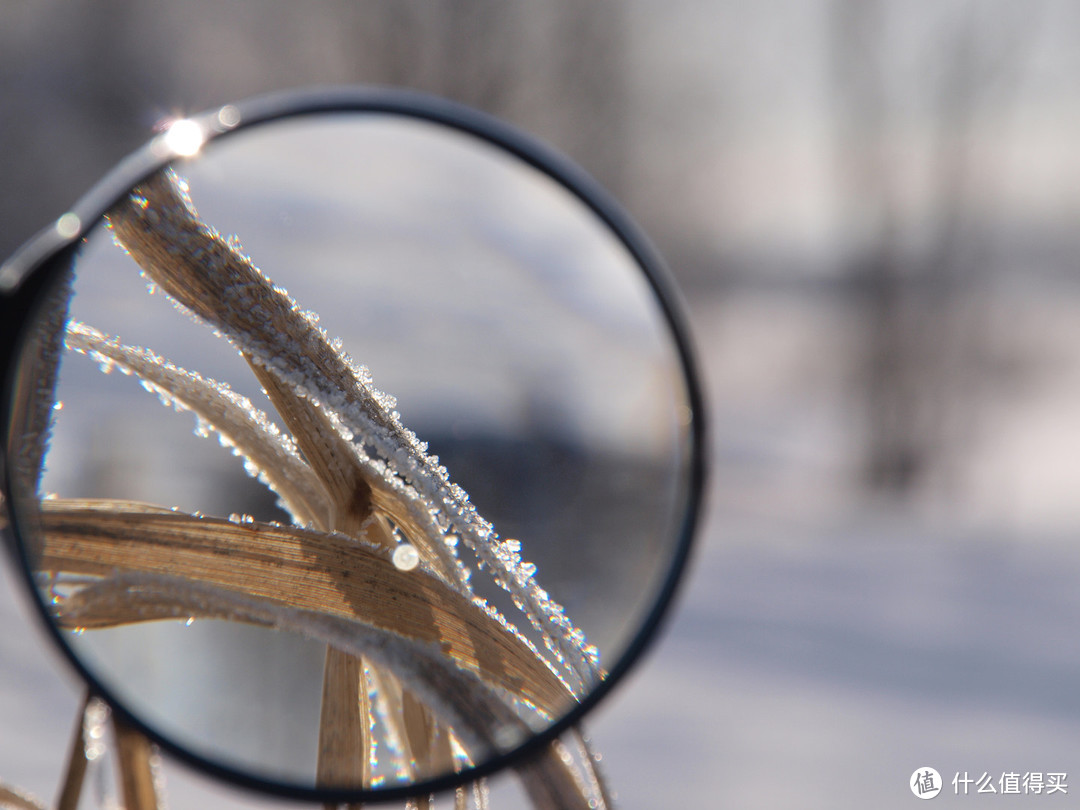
[{"x": 872, "y": 207}]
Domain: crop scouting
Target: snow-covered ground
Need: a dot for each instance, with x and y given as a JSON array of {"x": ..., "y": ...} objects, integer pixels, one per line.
[{"x": 822, "y": 671}]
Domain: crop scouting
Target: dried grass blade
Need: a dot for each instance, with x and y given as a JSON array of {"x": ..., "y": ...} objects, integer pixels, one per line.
[
  {"x": 429, "y": 743},
  {"x": 210, "y": 277},
  {"x": 328, "y": 454},
  {"x": 12, "y": 799},
  {"x": 302, "y": 570},
  {"x": 415, "y": 730},
  {"x": 242, "y": 426},
  {"x": 551, "y": 782},
  {"x": 457, "y": 696},
  {"x": 344, "y": 724},
  {"x": 590, "y": 761},
  {"x": 135, "y": 763},
  {"x": 71, "y": 787},
  {"x": 34, "y": 384},
  {"x": 480, "y": 794}
]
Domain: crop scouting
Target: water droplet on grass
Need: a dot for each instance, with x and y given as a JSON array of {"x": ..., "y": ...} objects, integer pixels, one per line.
[{"x": 406, "y": 557}]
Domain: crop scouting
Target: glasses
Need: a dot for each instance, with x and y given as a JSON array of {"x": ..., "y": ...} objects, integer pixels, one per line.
[{"x": 352, "y": 444}]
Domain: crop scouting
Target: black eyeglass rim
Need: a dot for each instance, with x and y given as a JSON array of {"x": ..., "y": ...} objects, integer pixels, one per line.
[{"x": 31, "y": 264}]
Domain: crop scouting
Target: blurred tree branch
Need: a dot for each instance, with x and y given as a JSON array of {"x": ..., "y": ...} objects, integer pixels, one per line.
[{"x": 914, "y": 276}]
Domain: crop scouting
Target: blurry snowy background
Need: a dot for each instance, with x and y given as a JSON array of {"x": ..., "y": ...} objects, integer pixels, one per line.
[{"x": 873, "y": 208}]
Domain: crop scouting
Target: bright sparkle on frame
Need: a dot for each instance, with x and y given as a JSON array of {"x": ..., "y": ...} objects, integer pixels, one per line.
[{"x": 184, "y": 137}]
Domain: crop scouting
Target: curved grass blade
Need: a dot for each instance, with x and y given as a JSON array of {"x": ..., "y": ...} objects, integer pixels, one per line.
[
  {"x": 305, "y": 572},
  {"x": 239, "y": 424},
  {"x": 13, "y": 799}
]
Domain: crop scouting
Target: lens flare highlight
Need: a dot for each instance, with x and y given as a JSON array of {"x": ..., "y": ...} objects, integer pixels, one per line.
[{"x": 184, "y": 137}]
